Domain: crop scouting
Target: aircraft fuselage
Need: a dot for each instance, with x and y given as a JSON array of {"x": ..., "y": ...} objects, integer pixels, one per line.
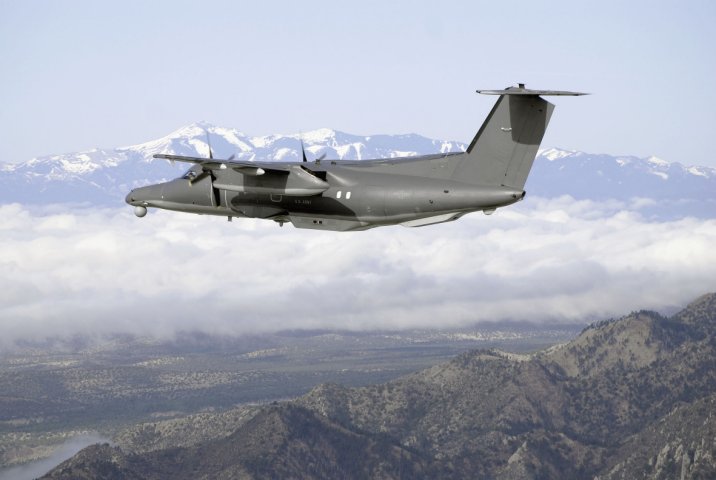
[{"x": 360, "y": 194}]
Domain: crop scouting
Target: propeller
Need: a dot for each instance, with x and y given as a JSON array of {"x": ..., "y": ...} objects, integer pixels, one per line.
[
  {"x": 215, "y": 191},
  {"x": 303, "y": 154},
  {"x": 207, "y": 172}
]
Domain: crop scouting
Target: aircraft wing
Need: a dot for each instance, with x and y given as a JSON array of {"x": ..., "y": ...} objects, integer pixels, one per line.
[
  {"x": 274, "y": 179},
  {"x": 248, "y": 168}
]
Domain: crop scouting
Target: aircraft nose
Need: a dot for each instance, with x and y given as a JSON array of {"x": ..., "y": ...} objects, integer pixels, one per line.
[{"x": 144, "y": 195}]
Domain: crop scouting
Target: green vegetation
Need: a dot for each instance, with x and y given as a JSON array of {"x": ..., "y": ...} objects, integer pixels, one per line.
[{"x": 50, "y": 393}]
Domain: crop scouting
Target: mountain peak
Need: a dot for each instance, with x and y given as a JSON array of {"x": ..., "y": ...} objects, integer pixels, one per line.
[
  {"x": 192, "y": 130},
  {"x": 203, "y": 124},
  {"x": 554, "y": 153},
  {"x": 318, "y": 135},
  {"x": 701, "y": 311},
  {"x": 658, "y": 161}
]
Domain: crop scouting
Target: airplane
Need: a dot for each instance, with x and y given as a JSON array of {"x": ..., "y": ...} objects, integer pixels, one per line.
[{"x": 342, "y": 195}]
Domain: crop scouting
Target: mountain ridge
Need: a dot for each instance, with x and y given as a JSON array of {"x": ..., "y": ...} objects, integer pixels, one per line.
[
  {"x": 613, "y": 403},
  {"x": 104, "y": 176}
]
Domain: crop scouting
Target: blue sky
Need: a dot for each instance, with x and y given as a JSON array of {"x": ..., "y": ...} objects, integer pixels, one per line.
[{"x": 84, "y": 74}]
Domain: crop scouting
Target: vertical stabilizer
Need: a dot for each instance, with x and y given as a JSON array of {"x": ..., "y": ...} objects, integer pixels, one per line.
[{"x": 505, "y": 147}]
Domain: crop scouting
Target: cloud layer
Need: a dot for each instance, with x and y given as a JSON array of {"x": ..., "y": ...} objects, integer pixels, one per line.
[{"x": 65, "y": 272}]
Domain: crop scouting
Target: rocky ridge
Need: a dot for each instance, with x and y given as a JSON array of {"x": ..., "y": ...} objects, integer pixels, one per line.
[{"x": 627, "y": 398}]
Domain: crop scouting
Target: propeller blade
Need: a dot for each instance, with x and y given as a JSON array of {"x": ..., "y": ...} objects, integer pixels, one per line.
[
  {"x": 215, "y": 191},
  {"x": 303, "y": 152},
  {"x": 208, "y": 142},
  {"x": 233, "y": 156},
  {"x": 322, "y": 156}
]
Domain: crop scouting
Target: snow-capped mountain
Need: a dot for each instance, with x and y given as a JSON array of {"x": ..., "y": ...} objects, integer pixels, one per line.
[
  {"x": 104, "y": 176},
  {"x": 659, "y": 188}
]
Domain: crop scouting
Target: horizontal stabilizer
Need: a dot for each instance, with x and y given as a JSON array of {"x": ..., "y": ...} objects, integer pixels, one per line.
[{"x": 521, "y": 90}]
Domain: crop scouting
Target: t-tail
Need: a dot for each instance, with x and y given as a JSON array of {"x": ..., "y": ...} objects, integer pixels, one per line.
[{"x": 504, "y": 149}]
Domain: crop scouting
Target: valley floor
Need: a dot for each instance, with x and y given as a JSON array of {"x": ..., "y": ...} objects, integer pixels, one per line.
[{"x": 56, "y": 393}]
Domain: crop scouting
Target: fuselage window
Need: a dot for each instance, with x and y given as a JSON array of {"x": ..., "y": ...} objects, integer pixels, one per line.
[
  {"x": 348, "y": 195},
  {"x": 338, "y": 195}
]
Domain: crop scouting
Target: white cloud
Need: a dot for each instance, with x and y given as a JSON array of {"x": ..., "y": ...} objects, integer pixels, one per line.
[{"x": 99, "y": 271}]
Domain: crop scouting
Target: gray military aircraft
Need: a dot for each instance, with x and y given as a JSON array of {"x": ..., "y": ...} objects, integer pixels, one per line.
[{"x": 358, "y": 195}]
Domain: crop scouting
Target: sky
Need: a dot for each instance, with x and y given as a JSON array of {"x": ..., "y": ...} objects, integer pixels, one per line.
[{"x": 83, "y": 74}]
